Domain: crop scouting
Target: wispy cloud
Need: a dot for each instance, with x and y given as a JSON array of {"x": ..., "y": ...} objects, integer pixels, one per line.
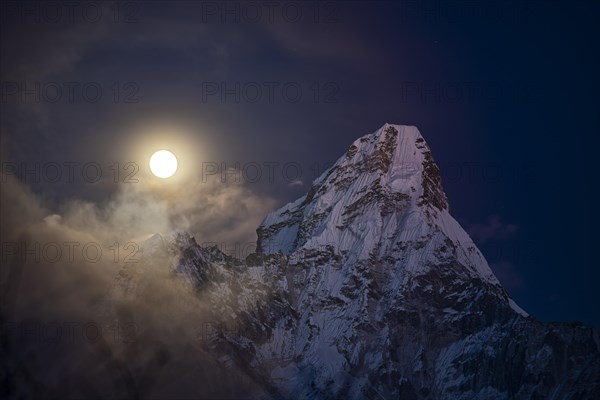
[
  {"x": 296, "y": 183},
  {"x": 61, "y": 295},
  {"x": 494, "y": 228}
]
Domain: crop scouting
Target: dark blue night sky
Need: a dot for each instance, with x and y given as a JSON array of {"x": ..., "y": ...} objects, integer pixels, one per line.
[{"x": 505, "y": 93}]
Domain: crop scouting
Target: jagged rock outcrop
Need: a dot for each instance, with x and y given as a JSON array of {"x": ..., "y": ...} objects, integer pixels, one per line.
[{"x": 366, "y": 287}]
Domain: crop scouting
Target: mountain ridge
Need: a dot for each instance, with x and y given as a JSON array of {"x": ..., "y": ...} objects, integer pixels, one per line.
[{"x": 366, "y": 287}]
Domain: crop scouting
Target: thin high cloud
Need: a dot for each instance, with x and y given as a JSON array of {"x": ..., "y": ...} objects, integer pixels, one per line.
[{"x": 493, "y": 229}]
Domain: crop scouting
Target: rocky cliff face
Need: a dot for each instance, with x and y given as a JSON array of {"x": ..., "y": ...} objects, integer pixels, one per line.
[{"x": 367, "y": 288}]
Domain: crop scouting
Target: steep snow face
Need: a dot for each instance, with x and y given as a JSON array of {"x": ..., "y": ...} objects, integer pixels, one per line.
[
  {"x": 364, "y": 288},
  {"x": 376, "y": 268},
  {"x": 367, "y": 288},
  {"x": 383, "y": 198}
]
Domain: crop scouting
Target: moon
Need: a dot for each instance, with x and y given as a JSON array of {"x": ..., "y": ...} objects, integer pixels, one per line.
[{"x": 163, "y": 164}]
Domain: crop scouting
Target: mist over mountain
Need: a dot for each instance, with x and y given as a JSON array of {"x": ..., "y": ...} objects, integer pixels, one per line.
[{"x": 364, "y": 288}]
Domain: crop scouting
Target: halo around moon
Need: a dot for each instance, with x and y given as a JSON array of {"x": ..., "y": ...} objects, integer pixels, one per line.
[{"x": 163, "y": 164}]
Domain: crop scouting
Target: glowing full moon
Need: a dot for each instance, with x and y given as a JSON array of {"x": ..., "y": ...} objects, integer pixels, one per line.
[{"x": 163, "y": 163}]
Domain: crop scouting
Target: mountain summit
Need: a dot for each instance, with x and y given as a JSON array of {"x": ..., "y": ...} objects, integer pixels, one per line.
[
  {"x": 381, "y": 202},
  {"x": 366, "y": 287}
]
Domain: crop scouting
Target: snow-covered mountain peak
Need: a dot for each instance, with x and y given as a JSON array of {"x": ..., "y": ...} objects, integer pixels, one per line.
[
  {"x": 366, "y": 288},
  {"x": 394, "y": 156},
  {"x": 383, "y": 195}
]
